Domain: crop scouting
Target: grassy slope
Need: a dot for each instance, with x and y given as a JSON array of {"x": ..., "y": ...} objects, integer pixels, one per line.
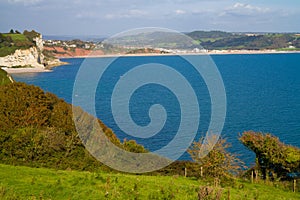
[
  {"x": 4, "y": 79},
  {"x": 7, "y": 50},
  {"x": 31, "y": 183},
  {"x": 16, "y": 37}
]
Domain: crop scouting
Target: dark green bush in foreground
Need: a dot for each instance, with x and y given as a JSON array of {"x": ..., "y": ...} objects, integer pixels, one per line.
[{"x": 37, "y": 129}]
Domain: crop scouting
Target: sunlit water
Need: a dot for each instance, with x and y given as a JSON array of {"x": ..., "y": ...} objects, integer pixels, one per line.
[{"x": 263, "y": 94}]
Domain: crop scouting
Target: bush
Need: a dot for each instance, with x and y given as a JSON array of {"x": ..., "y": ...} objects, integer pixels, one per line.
[
  {"x": 5, "y": 78},
  {"x": 37, "y": 129},
  {"x": 218, "y": 162},
  {"x": 271, "y": 154}
]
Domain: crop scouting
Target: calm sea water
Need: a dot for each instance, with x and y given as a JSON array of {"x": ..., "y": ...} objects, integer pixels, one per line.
[{"x": 263, "y": 94}]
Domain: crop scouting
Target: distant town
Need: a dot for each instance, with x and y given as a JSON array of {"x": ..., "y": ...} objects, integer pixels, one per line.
[
  {"x": 217, "y": 42},
  {"x": 206, "y": 42}
]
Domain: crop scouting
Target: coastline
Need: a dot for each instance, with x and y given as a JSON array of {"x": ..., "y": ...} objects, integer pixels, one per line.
[
  {"x": 212, "y": 52},
  {"x": 24, "y": 70},
  {"x": 33, "y": 69},
  {"x": 234, "y": 52}
]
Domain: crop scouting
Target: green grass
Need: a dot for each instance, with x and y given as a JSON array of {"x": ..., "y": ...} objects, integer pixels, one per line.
[
  {"x": 36, "y": 183},
  {"x": 19, "y": 41},
  {"x": 17, "y": 37}
]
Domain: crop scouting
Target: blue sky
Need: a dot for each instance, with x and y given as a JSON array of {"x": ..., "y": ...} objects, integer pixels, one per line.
[{"x": 108, "y": 17}]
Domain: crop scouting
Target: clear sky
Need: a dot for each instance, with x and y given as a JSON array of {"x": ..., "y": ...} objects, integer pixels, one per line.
[{"x": 108, "y": 17}]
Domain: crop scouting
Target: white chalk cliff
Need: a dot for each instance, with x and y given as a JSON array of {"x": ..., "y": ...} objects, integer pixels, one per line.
[
  {"x": 26, "y": 58},
  {"x": 32, "y": 57}
]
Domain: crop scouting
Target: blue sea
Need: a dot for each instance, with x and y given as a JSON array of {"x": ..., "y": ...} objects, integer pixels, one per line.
[{"x": 262, "y": 94}]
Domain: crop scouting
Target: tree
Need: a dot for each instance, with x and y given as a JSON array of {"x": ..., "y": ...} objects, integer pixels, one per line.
[
  {"x": 11, "y": 31},
  {"x": 218, "y": 162},
  {"x": 31, "y": 34},
  {"x": 271, "y": 154}
]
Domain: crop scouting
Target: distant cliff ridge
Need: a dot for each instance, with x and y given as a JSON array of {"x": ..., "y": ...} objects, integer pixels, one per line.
[{"x": 29, "y": 56}]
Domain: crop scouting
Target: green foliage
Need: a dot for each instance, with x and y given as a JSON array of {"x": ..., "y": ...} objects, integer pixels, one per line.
[
  {"x": 17, "y": 37},
  {"x": 31, "y": 34},
  {"x": 205, "y": 36},
  {"x": 178, "y": 167},
  {"x": 24, "y": 106},
  {"x": 4, "y": 78},
  {"x": 9, "y": 43},
  {"x": 255, "y": 42},
  {"x": 272, "y": 154},
  {"x": 132, "y": 146},
  {"x": 4, "y": 51},
  {"x": 218, "y": 162},
  {"x": 45, "y": 148},
  {"x": 6, "y": 45},
  {"x": 37, "y": 129},
  {"x": 32, "y": 183}
]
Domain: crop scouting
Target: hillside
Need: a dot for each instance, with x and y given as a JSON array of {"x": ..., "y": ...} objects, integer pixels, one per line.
[
  {"x": 219, "y": 40},
  {"x": 10, "y": 42},
  {"x": 171, "y": 42},
  {"x": 37, "y": 129},
  {"x": 23, "y": 50}
]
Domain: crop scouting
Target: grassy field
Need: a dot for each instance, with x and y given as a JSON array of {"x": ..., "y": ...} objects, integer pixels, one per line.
[
  {"x": 19, "y": 41},
  {"x": 16, "y": 37},
  {"x": 36, "y": 183}
]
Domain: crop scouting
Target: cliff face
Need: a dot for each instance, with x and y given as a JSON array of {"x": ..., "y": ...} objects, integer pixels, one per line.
[
  {"x": 32, "y": 57},
  {"x": 25, "y": 58}
]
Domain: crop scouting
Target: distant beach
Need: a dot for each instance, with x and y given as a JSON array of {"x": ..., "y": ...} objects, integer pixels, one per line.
[
  {"x": 25, "y": 70},
  {"x": 212, "y": 52}
]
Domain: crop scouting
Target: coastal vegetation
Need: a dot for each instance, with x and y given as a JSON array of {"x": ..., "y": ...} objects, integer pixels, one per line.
[
  {"x": 218, "y": 40},
  {"x": 274, "y": 159},
  {"x": 37, "y": 130},
  {"x": 209, "y": 40},
  {"x": 218, "y": 162},
  {"x": 25, "y": 50},
  {"x": 10, "y": 42},
  {"x": 4, "y": 78},
  {"x": 19, "y": 182}
]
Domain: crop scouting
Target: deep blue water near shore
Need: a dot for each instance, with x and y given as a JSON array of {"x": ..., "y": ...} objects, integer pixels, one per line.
[{"x": 263, "y": 94}]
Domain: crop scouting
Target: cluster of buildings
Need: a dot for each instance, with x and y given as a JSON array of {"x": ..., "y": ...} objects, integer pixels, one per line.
[{"x": 69, "y": 44}]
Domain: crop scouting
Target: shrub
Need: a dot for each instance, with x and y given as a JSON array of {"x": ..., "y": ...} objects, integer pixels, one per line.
[
  {"x": 218, "y": 162},
  {"x": 271, "y": 154},
  {"x": 37, "y": 129}
]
